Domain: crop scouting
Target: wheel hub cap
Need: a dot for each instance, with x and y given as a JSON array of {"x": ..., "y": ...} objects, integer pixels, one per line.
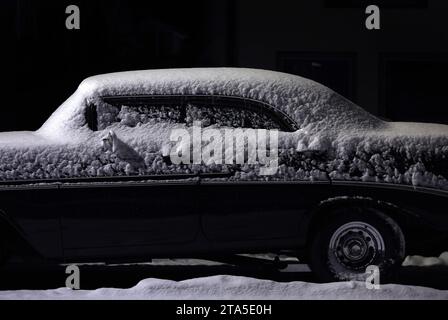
[{"x": 354, "y": 246}]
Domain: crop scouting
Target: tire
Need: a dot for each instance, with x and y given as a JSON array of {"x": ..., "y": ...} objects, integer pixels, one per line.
[
  {"x": 352, "y": 239},
  {"x": 3, "y": 254}
]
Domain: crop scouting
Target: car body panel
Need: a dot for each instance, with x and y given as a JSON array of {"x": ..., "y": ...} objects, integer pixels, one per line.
[
  {"x": 76, "y": 190},
  {"x": 199, "y": 221}
]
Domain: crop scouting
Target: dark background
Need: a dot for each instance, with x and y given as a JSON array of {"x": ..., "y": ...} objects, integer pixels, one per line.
[{"x": 398, "y": 72}]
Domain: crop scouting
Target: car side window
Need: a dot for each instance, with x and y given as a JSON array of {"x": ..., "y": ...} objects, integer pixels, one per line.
[
  {"x": 229, "y": 116},
  {"x": 106, "y": 115},
  {"x": 209, "y": 110},
  {"x": 133, "y": 115}
]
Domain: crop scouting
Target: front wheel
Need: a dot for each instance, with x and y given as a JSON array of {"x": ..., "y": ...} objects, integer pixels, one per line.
[{"x": 353, "y": 239}]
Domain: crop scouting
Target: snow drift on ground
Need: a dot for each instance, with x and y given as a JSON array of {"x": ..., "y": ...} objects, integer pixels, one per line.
[
  {"x": 235, "y": 287},
  {"x": 419, "y": 261},
  {"x": 335, "y": 138}
]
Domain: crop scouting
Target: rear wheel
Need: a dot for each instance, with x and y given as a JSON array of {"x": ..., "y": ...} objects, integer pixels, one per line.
[{"x": 353, "y": 239}]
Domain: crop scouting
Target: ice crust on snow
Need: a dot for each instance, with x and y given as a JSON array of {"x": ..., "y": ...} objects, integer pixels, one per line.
[{"x": 336, "y": 139}]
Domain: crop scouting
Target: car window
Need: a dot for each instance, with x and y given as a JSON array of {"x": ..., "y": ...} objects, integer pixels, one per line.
[
  {"x": 132, "y": 115},
  {"x": 229, "y": 116},
  {"x": 209, "y": 110}
]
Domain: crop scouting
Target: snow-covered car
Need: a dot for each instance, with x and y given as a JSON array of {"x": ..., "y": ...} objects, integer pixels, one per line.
[{"x": 97, "y": 182}]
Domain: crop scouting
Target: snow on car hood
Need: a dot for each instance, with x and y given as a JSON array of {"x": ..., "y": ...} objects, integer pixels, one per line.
[{"x": 21, "y": 138}]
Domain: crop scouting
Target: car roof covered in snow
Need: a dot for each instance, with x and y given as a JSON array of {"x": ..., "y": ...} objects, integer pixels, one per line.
[
  {"x": 302, "y": 99},
  {"x": 310, "y": 104}
]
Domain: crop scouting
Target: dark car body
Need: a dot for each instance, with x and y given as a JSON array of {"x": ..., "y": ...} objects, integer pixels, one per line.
[
  {"x": 141, "y": 216},
  {"x": 253, "y": 218}
]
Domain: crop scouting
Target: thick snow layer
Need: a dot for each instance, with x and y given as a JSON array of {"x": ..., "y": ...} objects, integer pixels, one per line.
[
  {"x": 404, "y": 153},
  {"x": 307, "y": 102},
  {"x": 232, "y": 288},
  {"x": 336, "y": 139}
]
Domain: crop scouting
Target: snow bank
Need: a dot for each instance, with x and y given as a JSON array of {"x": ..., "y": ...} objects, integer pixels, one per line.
[
  {"x": 419, "y": 261},
  {"x": 234, "y": 288}
]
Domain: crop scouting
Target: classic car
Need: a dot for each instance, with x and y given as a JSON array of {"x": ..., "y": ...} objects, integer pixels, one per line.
[{"x": 97, "y": 182}]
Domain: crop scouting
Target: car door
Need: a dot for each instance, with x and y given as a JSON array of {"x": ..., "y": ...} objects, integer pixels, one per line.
[
  {"x": 34, "y": 210},
  {"x": 127, "y": 219},
  {"x": 237, "y": 212},
  {"x": 245, "y": 212},
  {"x": 133, "y": 208}
]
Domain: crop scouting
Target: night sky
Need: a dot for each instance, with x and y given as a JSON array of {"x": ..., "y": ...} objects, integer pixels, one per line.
[{"x": 396, "y": 72}]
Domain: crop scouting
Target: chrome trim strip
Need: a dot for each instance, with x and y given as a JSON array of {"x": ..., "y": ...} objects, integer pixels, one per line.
[
  {"x": 385, "y": 185},
  {"x": 211, "y": 182},
  {"x": 202, "y": 180}
]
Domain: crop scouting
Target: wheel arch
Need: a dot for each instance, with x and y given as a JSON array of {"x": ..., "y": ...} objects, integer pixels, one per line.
[{"x": 327, "y": 208}]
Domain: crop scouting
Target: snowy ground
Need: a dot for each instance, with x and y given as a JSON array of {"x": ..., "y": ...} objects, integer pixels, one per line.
[
  {"x": 221, "y": 286},
  {"x": 234, "y": 287},
  {"x": 420, "y": 261}
]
